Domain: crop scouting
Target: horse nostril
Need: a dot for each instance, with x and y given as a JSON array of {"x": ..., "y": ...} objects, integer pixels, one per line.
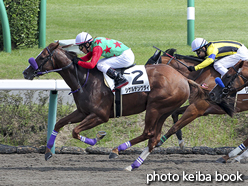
[
  {"x": 211, "y": 95},
  {"x": 225, "y": 90}
]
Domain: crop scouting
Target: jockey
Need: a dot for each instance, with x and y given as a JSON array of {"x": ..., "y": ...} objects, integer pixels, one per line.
[
  {"x": 115, "y": 53},
  {"x": 227, "y": 52}
]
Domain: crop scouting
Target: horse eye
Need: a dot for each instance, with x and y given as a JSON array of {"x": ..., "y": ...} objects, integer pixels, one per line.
[{"x": 228, "y": 75}]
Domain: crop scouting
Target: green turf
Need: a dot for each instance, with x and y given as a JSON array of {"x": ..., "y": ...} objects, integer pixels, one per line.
[{"x": 139, "y": 24}]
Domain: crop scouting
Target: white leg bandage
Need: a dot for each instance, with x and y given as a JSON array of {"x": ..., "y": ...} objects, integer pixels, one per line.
[{"x": 236, "y": 151}]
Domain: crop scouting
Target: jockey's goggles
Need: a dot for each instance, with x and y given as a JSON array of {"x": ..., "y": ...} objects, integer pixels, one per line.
[
  {"x": 81, "y": 46},
  {"x": 199, "y": 51}
]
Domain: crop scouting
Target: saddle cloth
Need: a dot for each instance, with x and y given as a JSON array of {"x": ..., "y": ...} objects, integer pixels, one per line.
[{"x": 137, "y": 78}]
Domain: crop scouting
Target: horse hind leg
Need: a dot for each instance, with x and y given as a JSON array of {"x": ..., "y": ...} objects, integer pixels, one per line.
[
  {"x": 234, "y": 153},
  {"x": 241, "y": 157},
  {"x": 149, "y": 131},
  {"x": 151, "y": 144},
  {"x": 115, "y": 151},
  {"x": 139, "y": 160}
]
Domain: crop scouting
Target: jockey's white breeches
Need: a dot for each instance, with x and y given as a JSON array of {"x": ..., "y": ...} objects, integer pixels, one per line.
[
  {"x": 124, "y": 60},
  {"x": 223, "y": 64}
]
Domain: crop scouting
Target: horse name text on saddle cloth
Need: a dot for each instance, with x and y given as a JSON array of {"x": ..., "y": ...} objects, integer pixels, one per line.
[{"x": 137, "y": 78}]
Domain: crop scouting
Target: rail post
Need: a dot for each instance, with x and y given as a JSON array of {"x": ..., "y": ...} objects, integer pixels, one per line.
[
  {"x": 190, "y": 21},
  {"x": 52, "y": 113},
  {"x": 5, "y": 28},
  {"x": 42, "y": 24}
]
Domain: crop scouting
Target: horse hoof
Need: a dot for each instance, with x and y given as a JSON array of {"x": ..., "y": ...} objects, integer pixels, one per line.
[
  {"x": 159, "y": 144},
  {"x": 181, "y": 144},
  {"x": 129, "y": 168},
  {"x": 235, "y": 161},
  {"x": 113, "y": 155},
  {"x": 221, "y": 160},
  {"x": 48, "y": 155},
  {"x": 100, "y": 135}
]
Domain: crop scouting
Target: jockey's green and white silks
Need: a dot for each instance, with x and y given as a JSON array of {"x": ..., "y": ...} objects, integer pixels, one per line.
[{"x": 110, "y": 47}]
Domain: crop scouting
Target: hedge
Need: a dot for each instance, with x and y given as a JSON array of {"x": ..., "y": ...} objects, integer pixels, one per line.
[{"x": 23, "y": 22}]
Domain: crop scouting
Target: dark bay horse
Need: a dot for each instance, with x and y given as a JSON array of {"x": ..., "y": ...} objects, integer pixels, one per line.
[
  {"x": 233, "y": 81},
  {"x": 95, "y": 101},
  {"x": 205, "y": 76}
]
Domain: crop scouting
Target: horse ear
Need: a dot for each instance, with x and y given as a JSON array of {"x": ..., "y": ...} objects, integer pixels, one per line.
[
  {"x": 239, "y": 64},
  {"x": 57, "y": 44},
  {"x": 170, "y": 51}
]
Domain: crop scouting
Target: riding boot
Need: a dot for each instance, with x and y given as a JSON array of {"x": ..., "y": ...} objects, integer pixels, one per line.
[{"x": 120, "y": 81}]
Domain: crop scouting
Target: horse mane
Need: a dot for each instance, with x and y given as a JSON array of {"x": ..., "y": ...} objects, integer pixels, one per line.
[
  {"x": 203, "y": 93},
  {"x": 70, "y": 54},
  {"x": 171, "y": 52}
]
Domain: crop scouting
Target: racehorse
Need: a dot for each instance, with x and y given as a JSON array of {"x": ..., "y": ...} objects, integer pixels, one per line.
[
  {"x": 95, "y": 101},
  {"x": 233, "y": 81},
  {"x": 205, "y": 77}
]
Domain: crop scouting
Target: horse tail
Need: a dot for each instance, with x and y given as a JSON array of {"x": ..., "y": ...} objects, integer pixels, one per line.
[{"x": 198, "y": 92}]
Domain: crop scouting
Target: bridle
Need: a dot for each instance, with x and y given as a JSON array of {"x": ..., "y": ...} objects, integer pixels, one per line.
[
  {"x": 38, "y": 71},
  {"x": 229, "y": 88}
]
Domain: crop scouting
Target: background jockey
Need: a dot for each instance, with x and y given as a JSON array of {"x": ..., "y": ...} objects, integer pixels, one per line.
[
  {"x": 115, "y": 53},
  {"x": 227, "y": 52}
]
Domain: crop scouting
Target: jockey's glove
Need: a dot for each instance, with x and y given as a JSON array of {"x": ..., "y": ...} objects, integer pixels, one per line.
[
  {"x": 75, "y": 60},
  {"x": 191, "y": 68}
]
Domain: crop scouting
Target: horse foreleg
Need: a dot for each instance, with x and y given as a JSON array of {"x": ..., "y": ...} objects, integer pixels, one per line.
[
  {"x": 174, "y": 116},
  {"x": 74, "y": 117},
  {"x": 89, "y": 122},
  {"x": 234, "y": 153}
]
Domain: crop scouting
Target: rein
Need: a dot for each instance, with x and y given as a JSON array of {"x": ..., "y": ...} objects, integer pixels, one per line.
[
  {"x": 172, "y": 57},
  {"x": 87, "y": 76},
  {"x": 39, "y": 72}
]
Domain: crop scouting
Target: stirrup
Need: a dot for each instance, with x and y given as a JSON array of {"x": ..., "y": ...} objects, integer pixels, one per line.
[{"x": 121, "y": 85}]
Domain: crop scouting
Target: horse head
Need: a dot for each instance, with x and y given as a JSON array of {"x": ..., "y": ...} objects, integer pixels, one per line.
[
  {"x": 45, "y": 62},
  {"x": 234, "y": 80}
]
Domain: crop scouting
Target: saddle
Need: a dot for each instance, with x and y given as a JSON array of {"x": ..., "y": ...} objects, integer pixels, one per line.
[
  {"x": 138, "y": 82},
  {"x": 118, "y": 96}
]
